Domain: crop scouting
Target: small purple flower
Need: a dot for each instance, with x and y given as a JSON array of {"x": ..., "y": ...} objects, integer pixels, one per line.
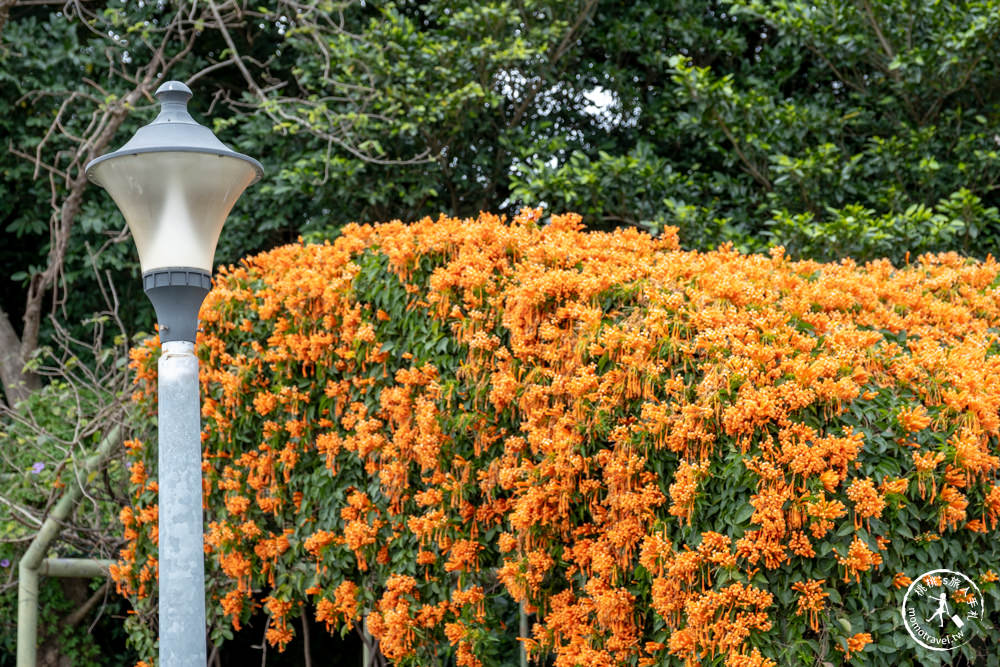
[
  {"x": 37, "y": 467},
  {"x": 5, "y": 563}
]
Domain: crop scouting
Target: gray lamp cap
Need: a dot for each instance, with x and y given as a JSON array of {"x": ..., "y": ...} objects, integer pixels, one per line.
[{"x": 173, "y": 130}]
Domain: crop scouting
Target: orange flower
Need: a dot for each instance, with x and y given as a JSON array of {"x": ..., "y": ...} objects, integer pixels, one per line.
[
  {"x": 684, "y": 489},
  {"x": 800, "y": 545},
  {"x": 315, "y": 542},
  {"x": 264, "y": 403},
  {"x": 811, "y": 601},
  {"x": 953, "y": 512},
  {"x": 963, "y": 596},
  {"x": 752, "y": 659},
  {"x": 138, "y": 474},
  {"x": 237, "y": 504},
  {"x": 232, "y": 606},
  {"x": 972, "y": 452},
  {"x": 897, "y": 486},
  {"x": 925, "y": 464},
  {"x": 346, "y": 600},
  {"x": 868, "y": 503},
  {"x": 830, "y": 479},
  {"x": 991, "y": 505},
  {"x": 463, "y": 556},
  {"x": 859, "y": 559},
  {"x": 914, "y": 419},
  {"x": 856, "y": 644},
  {"x": 279, "y": 636}
]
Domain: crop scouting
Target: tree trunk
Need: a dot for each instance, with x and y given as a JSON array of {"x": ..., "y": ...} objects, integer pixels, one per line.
[{"x": 17, "y": 385}]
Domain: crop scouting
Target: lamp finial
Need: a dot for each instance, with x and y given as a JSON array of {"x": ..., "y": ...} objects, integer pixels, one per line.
[{"x": 173, "y": 97}]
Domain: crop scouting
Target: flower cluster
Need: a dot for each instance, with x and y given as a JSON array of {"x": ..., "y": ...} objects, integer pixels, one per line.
[{"x": 653, "y": 454}]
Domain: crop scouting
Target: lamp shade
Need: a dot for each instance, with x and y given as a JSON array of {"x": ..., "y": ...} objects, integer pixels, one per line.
[{"x": 175, "y": 183}]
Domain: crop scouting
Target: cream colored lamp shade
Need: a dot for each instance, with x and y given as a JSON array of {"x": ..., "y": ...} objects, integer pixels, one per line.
[{"x": 175, "y": 183}]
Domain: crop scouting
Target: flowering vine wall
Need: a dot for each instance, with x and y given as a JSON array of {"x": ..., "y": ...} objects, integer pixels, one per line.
[{"x": 664, "y": 457}]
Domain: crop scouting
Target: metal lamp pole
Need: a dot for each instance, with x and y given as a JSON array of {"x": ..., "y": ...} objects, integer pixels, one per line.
[{"x": 175, "y": 183}]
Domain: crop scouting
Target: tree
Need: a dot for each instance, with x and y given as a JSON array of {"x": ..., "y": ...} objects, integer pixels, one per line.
[{"x": 845, "y": 128}]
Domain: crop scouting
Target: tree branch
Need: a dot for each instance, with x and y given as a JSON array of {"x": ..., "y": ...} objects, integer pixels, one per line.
[
  {"x": 873, "y": 22},
  {"x": 81, "y": 612},
  {"x": 747, "y": 163},
  {"x": 5, "y": 6},
  {"x": 306, "y": 649},
  {"x": 274, "y": 111}
]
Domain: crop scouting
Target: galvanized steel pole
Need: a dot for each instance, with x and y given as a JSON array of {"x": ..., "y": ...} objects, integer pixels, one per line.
[
  {"x": 181, "y": 524},
  {"x": 175, "y": 183}
]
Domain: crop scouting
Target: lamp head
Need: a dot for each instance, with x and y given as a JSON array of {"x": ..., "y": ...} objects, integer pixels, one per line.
[{"x": 175, "y": 183}]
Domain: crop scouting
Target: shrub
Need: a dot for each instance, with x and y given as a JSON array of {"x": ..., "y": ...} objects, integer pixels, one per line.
[{"x": 667, "y": 457}]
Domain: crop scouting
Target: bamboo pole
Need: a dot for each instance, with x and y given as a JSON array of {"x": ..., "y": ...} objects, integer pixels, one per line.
[{"x": 80, "y": 568}]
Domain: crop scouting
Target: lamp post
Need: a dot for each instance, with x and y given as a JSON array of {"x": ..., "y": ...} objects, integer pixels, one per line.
[{"x": 175, "y": 183}]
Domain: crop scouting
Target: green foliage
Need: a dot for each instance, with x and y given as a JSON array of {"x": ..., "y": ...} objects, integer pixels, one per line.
[
  {"x": 960, "y": 222},
  {"x": 37, "y": 461},
  {"x": 416, "y": 108},
  {"x": 791, "y": 121}
]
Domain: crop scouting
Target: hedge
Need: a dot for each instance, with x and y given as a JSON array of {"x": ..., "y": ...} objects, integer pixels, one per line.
[{"x": 663, "y": 457}]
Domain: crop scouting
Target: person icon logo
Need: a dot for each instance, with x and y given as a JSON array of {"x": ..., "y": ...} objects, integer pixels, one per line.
[{"x": 942, "y": 610}]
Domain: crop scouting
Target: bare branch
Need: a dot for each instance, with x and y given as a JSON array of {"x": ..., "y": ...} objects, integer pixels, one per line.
[
  {"x": 35, "y": 521},
  {"x": 81, "y": 612},
  {"x": 748, "y": 164},
  {"x": 274, "y": 108},
  {"x": 873, "y": 22},
  {"x": 38, "y": 165}
]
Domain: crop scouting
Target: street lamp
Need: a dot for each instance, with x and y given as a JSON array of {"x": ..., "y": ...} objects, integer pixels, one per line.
[{"x": 175, "y": 183}]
